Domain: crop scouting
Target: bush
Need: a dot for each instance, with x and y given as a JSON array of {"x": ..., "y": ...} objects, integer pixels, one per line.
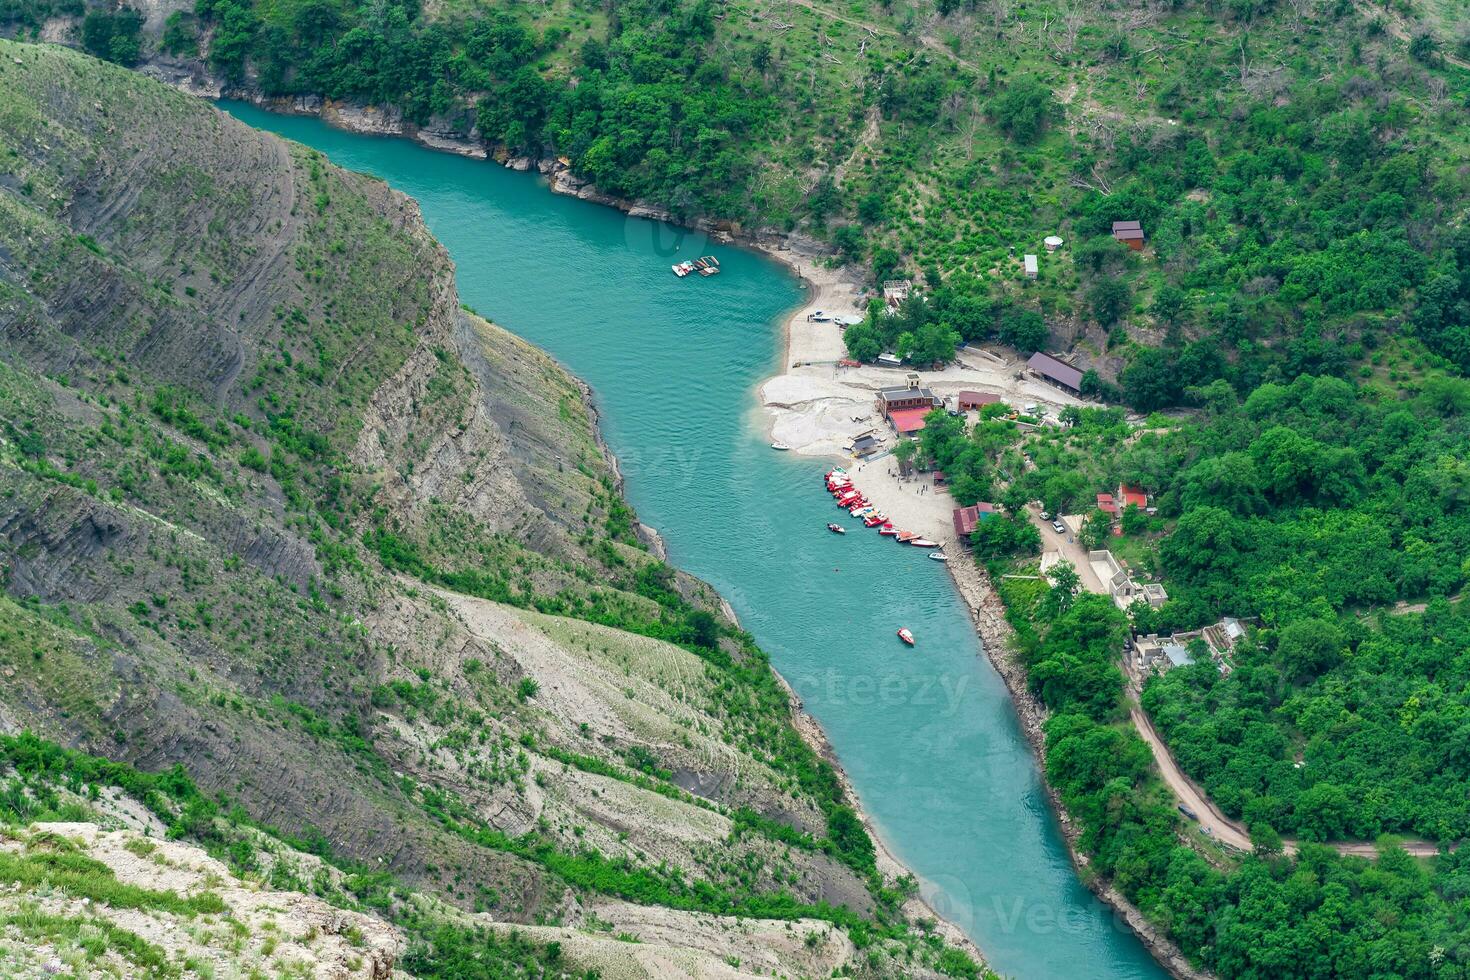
[
  {"x": 1024, "y": 109},
  {"x": 115, "y": 37}
]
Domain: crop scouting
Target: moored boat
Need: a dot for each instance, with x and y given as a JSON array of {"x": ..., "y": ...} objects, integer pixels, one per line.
[
  {"x": 904, "y": 537},
  {"x": 905, "y": 635},
  {"x": 888, "y": 530},
  {"x": 874, "y": 519},
  {"x": 780, "y": 445},
  {"x": 938, "y": 556},
  {"x": 923, "y": 543},
  {"x": 836, "y": 528}
]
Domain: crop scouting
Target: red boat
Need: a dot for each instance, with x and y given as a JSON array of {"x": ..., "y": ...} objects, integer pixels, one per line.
[
  {"x": 906, "y": 636},
  {"x": 873, "y": 520},
  {"x": 904, "y": 537},
  {"x": 888, "y": 530}
]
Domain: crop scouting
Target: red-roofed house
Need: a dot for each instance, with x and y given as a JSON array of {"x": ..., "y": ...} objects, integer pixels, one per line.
[
  {"x": 907, "y": 420},
  {"x": 966, "y": 519},
  {"x": 1115, "y": 504}
]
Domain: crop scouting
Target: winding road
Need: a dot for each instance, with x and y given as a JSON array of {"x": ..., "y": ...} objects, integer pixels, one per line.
[{"x": 1212, "y": 821}]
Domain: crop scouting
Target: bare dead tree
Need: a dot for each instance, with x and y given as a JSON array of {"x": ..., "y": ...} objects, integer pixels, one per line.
[
  {"x": 1074, "y": 18},
  {"x": 1098, "y": 181},
  {"x": 1000, "y": 12},
  {"x": 1438, "y": 89},
  {"x": 970, "y": 129}
]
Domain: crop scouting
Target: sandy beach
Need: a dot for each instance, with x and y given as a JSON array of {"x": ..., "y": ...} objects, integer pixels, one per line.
[{"x": 817, "y": 407}]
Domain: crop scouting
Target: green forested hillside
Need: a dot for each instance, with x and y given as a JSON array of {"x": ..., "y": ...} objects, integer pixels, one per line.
[
  {"x": 1297, "y": 165},
  {"x": 1330, "y": 515}
]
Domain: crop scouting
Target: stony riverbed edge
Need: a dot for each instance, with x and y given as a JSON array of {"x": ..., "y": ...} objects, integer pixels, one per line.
[
  {"x": 979, "y": 596},
  {"x": 987, "y": 610}
]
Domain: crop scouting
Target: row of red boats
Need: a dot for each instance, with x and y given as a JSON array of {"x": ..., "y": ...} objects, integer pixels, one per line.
[{"x": 851, "y": 499}]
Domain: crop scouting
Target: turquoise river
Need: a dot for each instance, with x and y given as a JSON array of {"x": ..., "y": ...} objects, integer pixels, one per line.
[{"x": 928, "y": 737}]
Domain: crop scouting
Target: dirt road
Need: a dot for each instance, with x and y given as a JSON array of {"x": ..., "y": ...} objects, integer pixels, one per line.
[{"x": 1209, "y": 816}]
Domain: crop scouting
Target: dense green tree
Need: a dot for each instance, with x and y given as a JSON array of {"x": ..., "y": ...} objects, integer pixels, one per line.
[
  {"x": 1002, "y": 536},
  {"x": 1024, "y": 108},
  {"x": 1109, "y": 299}
]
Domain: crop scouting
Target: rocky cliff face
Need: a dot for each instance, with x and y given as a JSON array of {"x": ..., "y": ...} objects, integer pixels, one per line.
[
  {"x": 275, "y": 508},
  {"x": 186, "y": 913}
]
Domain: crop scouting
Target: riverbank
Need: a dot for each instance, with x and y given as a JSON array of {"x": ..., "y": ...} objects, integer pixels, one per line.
[
  {"x": 914, "y": 504},
  {"x": 889, "y": 866},
  {"x": 372, "y": 123},
  {"x": 815, "y": 407},
  {"x": 996, "y": 635},
  {"x": 807, "y": 259}
]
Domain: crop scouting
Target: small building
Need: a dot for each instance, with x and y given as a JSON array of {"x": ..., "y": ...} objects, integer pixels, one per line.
[
  {"x": 1122, "y": 586},
  {"x": 845, "y": 320},
  {"x": 1131, "y": 497},
  {"x": 1161, "y": 653},
  {"x": 1130, "y": 233},
  {"x": 966, "y": 519},
  {"x": 865, "y": 444},
  {"x": 889, "y": 359},
  {"x": 911, "y": 394},
  {"x": 1031, "y": 267},
  {"x": 895, "y": 292},
  {"x": 1107, "y": 504},
  {"x": 1052, "y": 243},
  {"x": 1178, "y": 654},
  {"x": 1056, "y": 372},
  {"x": 973, "y": 401}
]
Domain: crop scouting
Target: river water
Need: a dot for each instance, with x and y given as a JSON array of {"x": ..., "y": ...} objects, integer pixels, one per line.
[{"x": 927, "y": 736}]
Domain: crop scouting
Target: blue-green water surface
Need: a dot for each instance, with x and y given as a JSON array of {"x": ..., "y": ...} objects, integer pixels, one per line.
[{"x": 928, "y": 736}]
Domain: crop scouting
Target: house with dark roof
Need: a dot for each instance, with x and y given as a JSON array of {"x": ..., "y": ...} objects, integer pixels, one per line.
[
  {"x": 1059, "y": 373},
  {"x": 910, "y": 395},
  {"x": 970, "y": 401},
  {"x": 966, "y": 519},
  {"x": 1130, "y": 233}
]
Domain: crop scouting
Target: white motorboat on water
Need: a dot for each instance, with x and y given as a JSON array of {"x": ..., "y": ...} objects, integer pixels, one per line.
[
  {"x": 780, "y": 445},
  {"x": 836, "y": 528},
  {"x": 938, "y": 556},
  {"x": 906, "y": 636}
]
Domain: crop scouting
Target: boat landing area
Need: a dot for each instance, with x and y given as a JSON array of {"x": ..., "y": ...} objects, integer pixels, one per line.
[{"x": 705, "y": 265}]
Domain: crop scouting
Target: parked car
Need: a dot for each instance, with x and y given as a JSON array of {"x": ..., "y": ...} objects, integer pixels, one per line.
[
  {"x": 1189, "y": 813},
  {"x": 1045, "y": 516},
  {"x": 1059, "y": 527}
]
